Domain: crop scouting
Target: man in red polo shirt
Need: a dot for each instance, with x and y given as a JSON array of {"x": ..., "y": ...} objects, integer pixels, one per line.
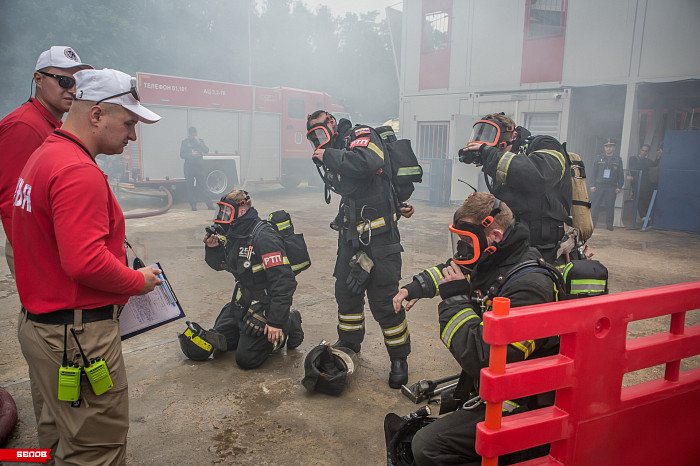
[
  {"x": 71, "y": 271},
  {"x": 23, "y": 130}
]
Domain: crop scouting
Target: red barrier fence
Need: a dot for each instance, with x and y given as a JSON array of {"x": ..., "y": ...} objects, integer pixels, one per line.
[{"x": 594, "y": 420}]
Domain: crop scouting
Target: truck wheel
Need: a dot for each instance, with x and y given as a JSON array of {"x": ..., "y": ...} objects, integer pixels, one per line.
[
  {"x": 219, "y": 180},
  {"x": 290, "y": 181}
]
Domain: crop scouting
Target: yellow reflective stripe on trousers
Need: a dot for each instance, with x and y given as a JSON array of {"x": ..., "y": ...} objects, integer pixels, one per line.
[
  {"x": 395, "y": 330},
  {"x": 587, "y": 285},
  {"x": 502, "y": 168},
  {"x": 373, "y": 147},
  {"x": 455, "y": 323},
  {"x": 351, "y": 322},
  {"x": 527, "y": 347},
  {"x": 397, "y": 341}
]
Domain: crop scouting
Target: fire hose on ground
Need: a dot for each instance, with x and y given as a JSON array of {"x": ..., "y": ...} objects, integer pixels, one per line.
[{"x": 153, "y": 213}]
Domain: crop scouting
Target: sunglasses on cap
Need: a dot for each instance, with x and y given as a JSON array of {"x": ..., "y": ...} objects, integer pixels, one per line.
[
  {"x": 66, "y": 82},
  {"x": 133, "y": 91}
]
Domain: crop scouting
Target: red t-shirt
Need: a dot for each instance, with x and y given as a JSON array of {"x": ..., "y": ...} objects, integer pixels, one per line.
[
  {"x": 21, "y": 133},
  {"x": 68, "y": 232}
]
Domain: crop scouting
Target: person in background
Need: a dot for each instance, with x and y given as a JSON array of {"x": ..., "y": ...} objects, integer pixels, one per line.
[
  {"x": 192, "y": 150},
  {"x": 23, "y": 130},
  {"x": 608, "y": 178},
  {"x": 68, "y": 236}
]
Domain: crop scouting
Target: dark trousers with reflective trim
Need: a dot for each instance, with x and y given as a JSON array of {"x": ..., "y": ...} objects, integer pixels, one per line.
[
  {"x": 381, "y": 287},
  {"x": 251, "y": 351},
  {"x": 452, "y": 439},
  {"x": 194, "y": 179}
]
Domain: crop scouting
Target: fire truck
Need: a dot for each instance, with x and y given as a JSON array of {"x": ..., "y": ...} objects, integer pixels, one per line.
[{"x": 254, "y": 134}]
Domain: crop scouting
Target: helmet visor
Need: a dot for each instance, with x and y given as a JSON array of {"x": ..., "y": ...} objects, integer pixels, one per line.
[
  {"x": 318, "y": 136},
  {"x": 485, "y": 132},
  {"x": 225, "y": 214},
  {"x": 468, "y": 240}
]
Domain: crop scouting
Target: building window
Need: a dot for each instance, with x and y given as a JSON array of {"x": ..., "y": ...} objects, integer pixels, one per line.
[
  {"x": 545, "y": 18},
  {"x": 436, "y": 29},
  {"x": 432, "y": 140},
  {"x": 296, "y": 108},
  {"x": 543, "y": 123}
]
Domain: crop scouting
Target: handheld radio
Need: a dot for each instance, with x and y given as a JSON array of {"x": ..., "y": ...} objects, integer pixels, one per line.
[
  {"x": 96, "y": 371},
  {"x": 68, "y": 376}
]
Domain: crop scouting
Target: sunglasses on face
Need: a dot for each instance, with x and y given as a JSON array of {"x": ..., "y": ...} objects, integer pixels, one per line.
[
  {"x": 133, "y": 91},
  {"x": 66, "y": 82}
]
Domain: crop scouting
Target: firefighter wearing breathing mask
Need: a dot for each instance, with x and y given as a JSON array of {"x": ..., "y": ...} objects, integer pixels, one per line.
[
  {"x": 369, "y": 249},
  {"x": 487, "y": 243},
  {"x": 531, "y": 175},
  {"x": 258, "y": 320}
]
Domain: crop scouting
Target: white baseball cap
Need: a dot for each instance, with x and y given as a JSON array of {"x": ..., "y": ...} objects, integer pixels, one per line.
[
  {"x": 60, "y": 56},
  {"x": 114, "y": 87}
]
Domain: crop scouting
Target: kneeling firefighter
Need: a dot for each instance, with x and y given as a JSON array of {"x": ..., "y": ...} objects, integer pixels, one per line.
[
  {"x": 369, "y": 248},
  {"x": 532, "y": 175},
  {"x": 258, "y": 320}
]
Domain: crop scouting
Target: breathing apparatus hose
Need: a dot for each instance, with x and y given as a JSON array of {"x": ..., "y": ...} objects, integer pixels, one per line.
[
  {"x": 153, "y": 213},
  {"x": 326, "y": 187}
]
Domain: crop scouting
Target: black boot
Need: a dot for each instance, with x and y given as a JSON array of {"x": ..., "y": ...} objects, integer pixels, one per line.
[
  {"x": 399, "y": 372},
  {"x": 352, "y": 346},
  {"x": 296, "y": 334}
]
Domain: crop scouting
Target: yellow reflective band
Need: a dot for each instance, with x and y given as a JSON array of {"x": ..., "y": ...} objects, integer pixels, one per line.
[
  {"x": 509, "y": 406},
  {"x": 206, "y": 346},
  {"x": 351, "y": 317},
  {"x": 397, "y": 341},
  {"x": 395, "y": 330},
  {"x": 557, "y": 155},
  {"x": 527, "y": 347},
  {"x": 283, "y": 225},
  {"x": 405, "y": 171},
  {"x": 564, "y": 269},
  {"x": 350, "y": 328},
  {"x": 502, "y": 168},
  {"x": 259, "y": 267},
  {"x": 238, "y": 294},
  {"x": 373, "y": 147},
  {"x": 296, "y": 267},
  {"x": 455, "y": 323},
  {"x": 385, "y": 134},
  {"x": 435, "y": 276},
  {"x": 378, "y": 223},
  {"x": 587, "y": 286}
]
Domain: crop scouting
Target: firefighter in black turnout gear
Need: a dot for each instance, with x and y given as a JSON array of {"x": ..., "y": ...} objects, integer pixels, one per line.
[
  {"x": 487, "y": 243},
  {"x": 369, "y": 248},
  {"x": 530, "y": 174},
  {"x": 258, "y": 320}
]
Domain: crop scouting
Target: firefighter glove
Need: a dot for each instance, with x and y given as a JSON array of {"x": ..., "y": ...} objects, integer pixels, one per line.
[
  {"x": 253, "y": 324},
  {"x": 360, "y": 267}
]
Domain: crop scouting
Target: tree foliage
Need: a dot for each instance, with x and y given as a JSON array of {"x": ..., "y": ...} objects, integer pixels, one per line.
[{"x": 276, "y": 43}]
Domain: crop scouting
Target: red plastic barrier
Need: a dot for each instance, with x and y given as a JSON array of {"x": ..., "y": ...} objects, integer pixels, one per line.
[{"x": 594, "y": 421}]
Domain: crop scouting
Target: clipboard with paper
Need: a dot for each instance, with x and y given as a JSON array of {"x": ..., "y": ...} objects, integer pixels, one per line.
[{"x": 145, "y": 312}]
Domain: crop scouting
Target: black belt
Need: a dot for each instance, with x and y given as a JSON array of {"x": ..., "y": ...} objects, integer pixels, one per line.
[{"x": 65, "y": 316}]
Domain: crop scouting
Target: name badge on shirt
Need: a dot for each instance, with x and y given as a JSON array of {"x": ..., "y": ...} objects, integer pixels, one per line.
[{"x": 606, "y": 173}]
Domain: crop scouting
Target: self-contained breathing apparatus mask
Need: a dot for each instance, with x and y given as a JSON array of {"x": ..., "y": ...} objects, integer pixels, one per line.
[
  {"x": 228, "y": 210},
  {"x": 487, "y": 131},
  {"x": 319, "y": 134},
  {"x": 469, "y": 242}
]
